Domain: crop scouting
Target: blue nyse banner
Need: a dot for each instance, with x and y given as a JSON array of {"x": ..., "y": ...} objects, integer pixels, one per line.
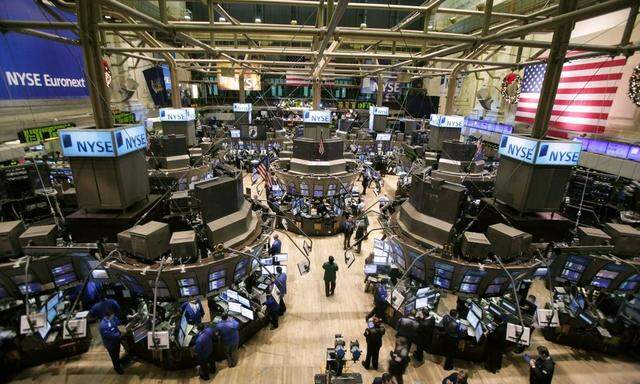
[
  {"x": 102, "y": 142},
  {"x": 35, "y": 68},
  {"x": 532, "y": 151}
]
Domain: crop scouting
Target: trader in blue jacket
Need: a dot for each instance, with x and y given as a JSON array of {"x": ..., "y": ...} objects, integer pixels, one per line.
[
  {"x": 276, "y": 246},
  {"x": 380, "y": 295},
  {"x": 193, "y": 311},
  {"x": 204, "y": 352},
  {"x": 281, "y": 283},
  {"x": 273, "y": 310},
  {"x": 111, "y": 338},
  {"x": 99, "y": 309},
  {"x": 227, "y": 329}
]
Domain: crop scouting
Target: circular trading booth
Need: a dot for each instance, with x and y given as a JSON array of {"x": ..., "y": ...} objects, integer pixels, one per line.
[
  {"x": 443, "y": 239},
  {"x": 314, "y": 174}
]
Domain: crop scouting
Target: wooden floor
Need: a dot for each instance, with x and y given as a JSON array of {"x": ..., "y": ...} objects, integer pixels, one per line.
[{"x": 293, "y": 353}]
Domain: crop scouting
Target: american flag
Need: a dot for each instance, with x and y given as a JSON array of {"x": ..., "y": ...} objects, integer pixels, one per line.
[
  {"x": 584, "y": 97},
  {"x": 263, "y": 170}
]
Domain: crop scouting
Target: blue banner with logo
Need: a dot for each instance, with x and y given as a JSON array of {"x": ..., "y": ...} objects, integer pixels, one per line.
[
  {"x": 154, "y": 77},
  {"x": 36, "y": 68}
]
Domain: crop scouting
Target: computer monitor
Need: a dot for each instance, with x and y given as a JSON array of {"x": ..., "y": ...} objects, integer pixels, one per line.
[
  {"x": 590, "y": 321},
  {"x": 475, "y": 308},
  {"x": 140, "y": 332},
  {"x": 422, "y": 302},
  {"x": 235, "y": 307},
  {"x": 541, "y": 272},
  {"x": 472, "y": 319},
  {"x": 441, "y": 282},
  {"x": 65, "y": 279},
  {"x": 244, "y": 301},
  {"x": 100, "y": 274},
  {"x": 468, "y": 288},
  {"x": 370, "y": 269},
  {"x": 235, "y": 133},
  {"x": 62, "y": 269},
  {"x": 479, "y": 331},
  {"x": 186, "y": 282},
  {"x": 189, "y": 291},
  {"x": 216, "y": 284}
]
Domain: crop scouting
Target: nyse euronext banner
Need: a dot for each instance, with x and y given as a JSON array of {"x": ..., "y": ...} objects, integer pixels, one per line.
[{"x": 36, "y": 68}]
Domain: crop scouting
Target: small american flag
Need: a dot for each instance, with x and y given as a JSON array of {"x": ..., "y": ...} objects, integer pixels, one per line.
[
  {"x": 584, "y": 97},
  {"x": 321, "y": 145},
  {"x": 263, "y": 170}
]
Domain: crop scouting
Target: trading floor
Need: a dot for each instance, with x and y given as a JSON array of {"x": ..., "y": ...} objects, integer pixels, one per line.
[{"x": 295, "y": 351}]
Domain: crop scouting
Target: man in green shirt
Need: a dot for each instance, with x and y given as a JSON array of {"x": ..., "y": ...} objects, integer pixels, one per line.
[{"x": 330, "y": 269}]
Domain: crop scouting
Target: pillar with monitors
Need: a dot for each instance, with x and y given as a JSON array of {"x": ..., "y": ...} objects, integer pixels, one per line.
[
  {"x": 175, "y": 155},
  {"x": 312, "y": 179},
  {"x": 110, "y": 175}
]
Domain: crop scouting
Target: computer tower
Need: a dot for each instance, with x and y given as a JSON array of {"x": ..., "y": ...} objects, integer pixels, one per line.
[
  {"x": 183, "y": 244},
  {"x": 625, "y": 239},
  {"x": 508, "y": 242},
  {"x": 219, "y": 197},
  {"x": 39, "y": 235},
  {"x": 10, "y": 232},
  {"x": 592, "y": 236},
  {"x": 149, "y": 241},
  {"x": 475, "y": 246}
]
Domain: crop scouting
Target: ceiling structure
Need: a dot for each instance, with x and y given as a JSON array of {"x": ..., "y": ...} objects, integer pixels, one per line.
[{"x": 330, "y": 38}]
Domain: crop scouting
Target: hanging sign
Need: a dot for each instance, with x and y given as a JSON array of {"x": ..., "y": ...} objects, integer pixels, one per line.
[
  {"x": 320, "y": 117},
  {"x": 177, "y": 114}
]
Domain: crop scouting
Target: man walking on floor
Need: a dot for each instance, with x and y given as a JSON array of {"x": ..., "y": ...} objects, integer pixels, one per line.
[{"x": 330, "y": 269}]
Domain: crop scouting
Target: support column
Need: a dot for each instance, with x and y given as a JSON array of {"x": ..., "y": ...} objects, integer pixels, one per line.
[
  {"x": 317, "y": 93},
  {"x": 557, "y": 54},
  {"x": 212, "y": 20},
  {"x": 380, "y": 91},
  {"x": 88, "y": 17},
  {"x": 241, "y": 94},
  {"x": 451, "y": 91},
  {"x": 176, "y": 102}
]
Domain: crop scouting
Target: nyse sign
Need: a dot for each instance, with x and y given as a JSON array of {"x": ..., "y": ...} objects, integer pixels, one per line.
[
  {"x": 320, "y": 117},
  {"x": 177, "y": 114},
  {"x": 102, "y": 142},
  {"x": 446, "y": 121},
  {"x": 379, "y": 111},
  {"x": 559, "y": 153},
  {"x": 518, "y": 148},
  {"x": 540, "y": 152},
  {"x": 242, "y": 107}
]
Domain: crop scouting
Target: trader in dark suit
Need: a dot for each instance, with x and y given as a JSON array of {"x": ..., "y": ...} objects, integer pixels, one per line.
[
  {"x": 330, "y": 269},
  {"x": 496, "y": 341},
  {"x": 541, "y": 369}
]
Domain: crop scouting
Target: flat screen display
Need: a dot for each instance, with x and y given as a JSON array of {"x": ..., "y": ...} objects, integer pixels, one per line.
[
  {"x": 189, "y": 291},
  {"x": 244, "y": 301},
  {"x": 216, "y": 284},
  {"x": 61, "y": 269},
  {"x": 370, "y": 269},
  {"x": 65, "y": 279},
  {"x": 479, "y": 332},
  {"x": 468, "y": 288},
  {"x": 217, "y": 274},
  {"x": 186, "y": 282},
  {"x": 422, "y": 302},
  {"x": 472, "y": 319}
]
